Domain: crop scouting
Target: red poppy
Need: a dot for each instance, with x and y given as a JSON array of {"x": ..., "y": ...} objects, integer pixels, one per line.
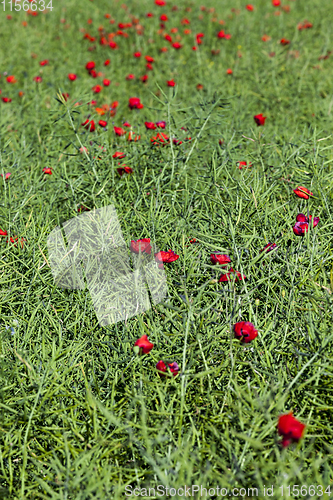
[
  {"x": 161, "y": 367},
  {"x": 245, "y": 331},
  {"x": 250, "y": 7},
  {"x": 149, "y": 59},
  {"x": 7, "y": 175},
  {"x": 6, "y": 99},
  {"x": 177, "y": 45},
  {"x": 133, "y": 103},
  {"x": 72, "y": 77},
  {"x": 126, "y": 124},
  {"x": 242, "y": 164},
  {"x": 114, "y": 104},
  {"x": 150, "y": 125},
  {"x": 44, "y": 63},
  {"x": 47, "y": 170},
  {"x": 259, "y": 119},
  {"x": 137, "y": 54},
  {"x": 229, "y": 71},
  {"x": 304, "y": 26},
  {"x": 144, "y": 344},
  {"x": 119, "y": 155},
  {"x": 160, "y": 139},
  {"x": 226, "y": 276},
  {"x": 302, "y": 192},
  {"x": 130, "y": 77},
  {"x": 269, "y": 247},
  {"x": 89, "y": 125},
  {"x": 107, "y": 62},
  {"x": 38, "y": 79},
  {"x": 65, "y": 96},
  {"x": 161, "y": 3},
  {"x": 276, "y": 3},
  {"x": 149, "y": 14},
  {"x": 113, "y": 45},
  {"x": 97, "y": 89},
  {"x": 90, "y": 65},
  {"x": 166, "y": 257},
  {"x": 171, "y": 83},
  {"x": 119, "y": 131},
  {"x": 124, "y": 170},
  {"x": 163, "y": 49},
  {"x": 144, "y": 78},
  {"x": 160, "y": 124},
  {"x": 284, "y": 41},
  {"x": 290, "y": 428},
  {"x": 93, "y": 73},
  {"x": 177, "y": 142},
  {"x": 219, "y": 258},
  {"x": 11, "y": 79},
  {"x": 302, "y": 224},
  {"x": 142, "y": 245},
  {"x": 12, "y": 240},
  {"x": 102, "y": 123},
  {"x": 3, "y": 233},
  {"x": 163, "y": 17},
  {"x": 265, "y": 38}
]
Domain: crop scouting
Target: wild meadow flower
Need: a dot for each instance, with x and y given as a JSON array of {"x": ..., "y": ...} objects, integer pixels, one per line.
[
  {"x": 162, "y": 368},
  {"x": 302, "y": 192},
  {"x": 259, "y": 119},
  {"x": 144, "y": 344},
  {"x": 219, "y": 258},
  {"x": 290, "y": 428},
  {"x": 142, "y": 246},
  {"x": 245, "y": 331},
  {"x": 226, "y": 276}
]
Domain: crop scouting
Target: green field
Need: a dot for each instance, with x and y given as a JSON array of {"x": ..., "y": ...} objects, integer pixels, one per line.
[{"x": 82, "y": 414}]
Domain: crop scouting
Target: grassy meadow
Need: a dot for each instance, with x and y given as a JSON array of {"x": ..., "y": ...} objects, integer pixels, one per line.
[{"x": 82, "y": 414}]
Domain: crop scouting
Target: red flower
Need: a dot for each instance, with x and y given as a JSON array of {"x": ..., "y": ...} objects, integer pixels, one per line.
[
  {"x": 113, "y": 45},
  {"x": 226, "y": 277},
  {"x": 97, "y": 89},
  {"x": 130, "y": 77},
  {"x": 160, "y": 139},
  {"x": 245, "y": 331},
  {"x": 38, "y": 79},
  {"x": 142, "y": 245},
  {"x": 89, "y": 125},
  {"x": 106, "y": 82},
  {"x": 250, "y": 7},
  {"x": 12, "y": 240},
  {"x": 11, "y": 79},
  {"x": 119, "y": 155},
  {"x": 161, "y": 3},
  {"x": 276, "y": 3},
  {"x": 160, "y": 124},
  {"x": 149, "y": 59},
  {"x": 144, "y": 344},
  {"x": 3, "y": 233},
  {"x": 150, "y": 125},
  {"x": 177, "y": 45},
  {"x": 93, "y": 73},
  {"x": 124, "y": 170},
  {"x": 242, "y": 164},
  {"x": 221, "y": 34},
  {"x": 284, "y": 41},
  {"x": 302, "y": 224},
  {"x": 6, "y": 99},
  {"x": 126, "y": 124},
  {"x": 119, "y": 131},
  {"x": 7, "y": 175},
  {"x": 107, "y": 62},
  {"x": 133, "y": 137},
  {"x": 290, "y": 428},
  {"x": 65, "y": 96},
  {"x": 163, "y": 17},
  {"x": 302, "y": 192},
  {"x": 269, "y": 247},
  {"x": 149, "y": 14},
  {"x": 144, "y": 78},
  {"x": 259, "y": 119},
  {"x": 229, "y": 71},
  {"x": 90, "y": 65},
  {"x": 102, "y": 123},
  {"x": 220, "y": 258},
  {"x": 72, "y": 77},
  {"x": 47, "y": 170},
  {"x": 134, "y": 103},
  {"x": 137, "y": 54},
  {"x": 171, "y": 83},
  {"x": 167, "y": 257},
  {"x": 161, "y": 367},
  {"x": 44, "y": 63}
]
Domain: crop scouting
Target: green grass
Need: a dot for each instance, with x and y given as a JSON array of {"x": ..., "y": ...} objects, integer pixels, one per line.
[{"x": 82, "y": 416}]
